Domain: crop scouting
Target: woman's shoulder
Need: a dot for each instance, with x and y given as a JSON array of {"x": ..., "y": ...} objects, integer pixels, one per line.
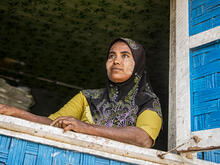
[{"x": 93, "y": 93}]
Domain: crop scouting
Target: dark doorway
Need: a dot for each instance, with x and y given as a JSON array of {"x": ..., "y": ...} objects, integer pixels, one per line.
[{"x": 66, "y": 41}]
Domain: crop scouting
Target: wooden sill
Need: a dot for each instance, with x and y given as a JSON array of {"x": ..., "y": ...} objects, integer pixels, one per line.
[{"x": 48, "y": 135}]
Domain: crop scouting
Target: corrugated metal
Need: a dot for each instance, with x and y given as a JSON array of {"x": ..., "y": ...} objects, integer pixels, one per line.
[
  {"x": 204, "y": 15},
  {"x": 20, "y": 152}
]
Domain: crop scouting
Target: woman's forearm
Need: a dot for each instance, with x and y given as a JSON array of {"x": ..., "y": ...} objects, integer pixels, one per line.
[
  {"x": 34, "y": 118},
  {"x": 15, "y": 112},
  {"x": 131, "y": 135}
]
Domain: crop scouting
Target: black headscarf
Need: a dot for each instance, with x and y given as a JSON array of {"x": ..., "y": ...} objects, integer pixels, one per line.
[{"x": 119, "y": 104}]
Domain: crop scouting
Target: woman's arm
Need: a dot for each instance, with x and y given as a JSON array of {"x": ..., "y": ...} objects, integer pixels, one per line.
[
  {"x": 131, "y": 135},
  {"x": 12, "y": 111}
]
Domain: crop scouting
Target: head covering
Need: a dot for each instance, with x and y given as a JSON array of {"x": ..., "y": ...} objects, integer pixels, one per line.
[{"x": 119, "y": 104}]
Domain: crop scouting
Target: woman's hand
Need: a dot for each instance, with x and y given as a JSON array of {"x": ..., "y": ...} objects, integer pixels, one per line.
[
  {"x": 131, "y": 135},
  {"x": 7, "y": 110},
  {"x": 69, "y": 123}
]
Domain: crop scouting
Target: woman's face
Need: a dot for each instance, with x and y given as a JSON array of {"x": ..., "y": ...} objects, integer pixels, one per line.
[{"x": 120, "y": 63}]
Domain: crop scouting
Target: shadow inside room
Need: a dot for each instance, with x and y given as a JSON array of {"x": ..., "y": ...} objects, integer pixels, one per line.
[{"x": 57, "y": 47}]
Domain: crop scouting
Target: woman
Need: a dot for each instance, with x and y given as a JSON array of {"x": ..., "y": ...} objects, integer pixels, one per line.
[{"x": 126, "y": 110}]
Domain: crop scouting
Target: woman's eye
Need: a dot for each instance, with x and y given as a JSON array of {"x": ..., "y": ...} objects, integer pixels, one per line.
[
  {"x": 111, "y": 56},
  {"x": 125, "y": 56}
]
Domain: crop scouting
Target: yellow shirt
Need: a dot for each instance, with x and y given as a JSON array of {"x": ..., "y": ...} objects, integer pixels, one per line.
[{"x": 78, "y": 107}]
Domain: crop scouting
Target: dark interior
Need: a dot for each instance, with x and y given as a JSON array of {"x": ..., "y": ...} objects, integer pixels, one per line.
[{"x": 66, "y": 41}]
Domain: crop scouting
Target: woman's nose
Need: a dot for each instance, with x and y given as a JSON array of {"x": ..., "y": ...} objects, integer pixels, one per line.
[{"x": 117, "y": 60}]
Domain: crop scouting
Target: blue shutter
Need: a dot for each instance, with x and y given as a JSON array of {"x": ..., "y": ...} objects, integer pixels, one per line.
[
  {"x": 205, "y": 72},
  {"x": 203, "y": 15},
  {"x": 15, "y": 151},
  {"x": 205, "y": 87},
  {"x": 4, "y": 149}
]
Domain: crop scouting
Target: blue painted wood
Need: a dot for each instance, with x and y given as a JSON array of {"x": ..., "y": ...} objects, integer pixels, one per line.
[
  {"x": 90, "y": 160},
  {"x": 4, "y": 148},
  {"x": 213, "y": 156},
  {"x": 113, "y": 162},
  {"x": 30, "y": 154},
  {"x": 205, "y": 86},
  {"x": 203, "y": 15},
  {"x": 44, "y": 155},
  {"x": 21, "y": 152},
  {"x": 61, "y": 156},
  {"x": 205, "y": 71},
  {"x": 102, "y": 161},
  {"x": 206, "y": 63},
  {"x": 17, "y": 152},
  {"x": 29, "y": 159}
]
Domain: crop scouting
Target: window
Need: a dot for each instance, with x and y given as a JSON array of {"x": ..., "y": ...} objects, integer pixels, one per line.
[{"x": 194, "y": 111}]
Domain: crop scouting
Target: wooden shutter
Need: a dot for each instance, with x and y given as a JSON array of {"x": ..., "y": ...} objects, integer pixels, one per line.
[{"x": 195, "y": 77}]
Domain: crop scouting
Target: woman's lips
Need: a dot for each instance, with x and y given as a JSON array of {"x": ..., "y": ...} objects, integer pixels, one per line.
[{"x": 116, "y": 69}]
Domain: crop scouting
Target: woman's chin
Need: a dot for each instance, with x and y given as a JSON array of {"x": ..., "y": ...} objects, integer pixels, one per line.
[{"x": 118, "y": 79}]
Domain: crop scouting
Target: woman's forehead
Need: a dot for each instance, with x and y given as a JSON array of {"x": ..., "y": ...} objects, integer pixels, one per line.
[{"x": 120, "y": 46}]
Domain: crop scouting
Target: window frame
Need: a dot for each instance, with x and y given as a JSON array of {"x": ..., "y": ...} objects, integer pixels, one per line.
[{"x": 179, "y": 127}]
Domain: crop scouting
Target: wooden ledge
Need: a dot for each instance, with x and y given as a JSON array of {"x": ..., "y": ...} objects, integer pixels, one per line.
[{"x": 48, "y": 135}]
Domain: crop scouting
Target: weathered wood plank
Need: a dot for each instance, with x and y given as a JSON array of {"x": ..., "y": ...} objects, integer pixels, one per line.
[
  {"x": 48, "y": 135},
  {"x": 207, "y": 139},
  {"x": 204, "y": 37}
]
